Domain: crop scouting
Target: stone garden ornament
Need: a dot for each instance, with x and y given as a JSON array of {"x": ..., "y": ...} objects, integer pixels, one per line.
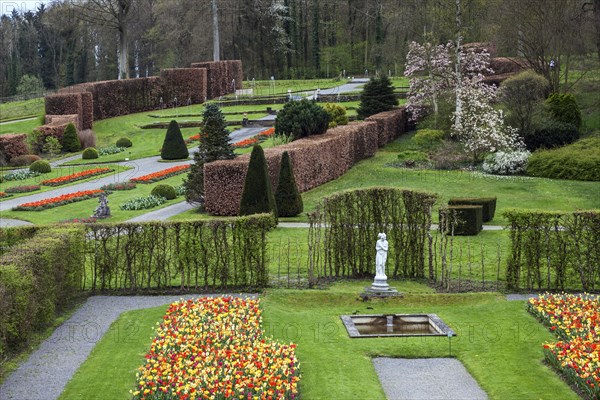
[{"x": 380, "y": 287}]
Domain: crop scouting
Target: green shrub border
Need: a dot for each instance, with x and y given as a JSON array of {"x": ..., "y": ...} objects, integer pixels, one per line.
[
  {"x": 553, "y": 251},
  {"x": 468, "y": 219}
]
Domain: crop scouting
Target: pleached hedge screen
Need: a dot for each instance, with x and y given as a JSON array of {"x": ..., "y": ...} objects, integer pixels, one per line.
[
  {"x": 198, "y": 254},
  {"x": 554, "y": 251},
  {"x": 343, "y": 233}
]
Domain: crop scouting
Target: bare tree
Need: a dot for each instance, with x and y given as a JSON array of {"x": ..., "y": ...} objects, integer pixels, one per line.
[{"x": 113, "y": 14}]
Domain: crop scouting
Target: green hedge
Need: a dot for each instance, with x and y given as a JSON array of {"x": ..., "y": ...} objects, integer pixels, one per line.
[
  {"x": 488, "y": 204},
  {"x": 38, "y": 278},
  {"x": 192, "y": 254},
  {"x": 343, "y": 231},
  {"x": 578, "y": 161},
  {"x": 554, "y": 251},
  {"x": 467, "y": 219}
]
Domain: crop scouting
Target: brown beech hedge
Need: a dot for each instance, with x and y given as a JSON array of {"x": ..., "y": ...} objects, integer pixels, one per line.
[{"x": 315, "y": 160}]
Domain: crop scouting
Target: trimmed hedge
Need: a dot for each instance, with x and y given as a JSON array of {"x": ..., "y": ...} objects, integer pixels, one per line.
[
  {"x": 24, "y": 160},
  {"x": 191, "y": 254},
  {"x": 488, "y": 204},
  {"x": 257, "y": 196},
  {"x": 467, "y": 219},
  {"x": 163, "y": 190},
  {"x": 220, "y": 76},
  {"x": 554, "y": 251},
  {"x": 287, "y": 197},
  {"x": 174, "y": 147},
  {"x": 13, "y": 145},
  {"x": 344, "y": 227},
  {"x": 578, "y": 161},
  {"x": 316, "y": 159},
  {"x": 124, "y": 142},
  {"x": 89, "y": 153},
  {"x": 184, "y": 84},
  {"x": 41, "y": 166},
  {"x": 126, "y": 96},
  {"x": 38, "y": 278}
]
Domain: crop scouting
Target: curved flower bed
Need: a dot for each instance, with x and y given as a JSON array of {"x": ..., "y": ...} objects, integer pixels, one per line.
[
  {"x": 246, "y": 143},
  {"x": 119, "y": 186},
  {"x": 58, "y": 200},
  {"x": 267, "y": 133},
  {"x": 213, "y": 348},
  {"x": 62, "y": 180},
  {"x": 576, "y": 321},
  {"x": 160, "y": 175}
]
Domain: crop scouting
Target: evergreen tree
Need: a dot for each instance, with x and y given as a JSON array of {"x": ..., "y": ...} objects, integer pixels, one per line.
[
  {"x": 377, "y": 96},
  {"x": 287, "y": 197},
  {"x": 214, "y": 145},
  {"x": 257, "y": 196},
  {"x": 70, "y": 140},
  {"x": 174, "y": 147}
]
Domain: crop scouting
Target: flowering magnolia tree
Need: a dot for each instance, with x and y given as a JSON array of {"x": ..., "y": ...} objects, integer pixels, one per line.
[
  {"x": 441, "y": 71},
  {"x": 481, "y": 127}
]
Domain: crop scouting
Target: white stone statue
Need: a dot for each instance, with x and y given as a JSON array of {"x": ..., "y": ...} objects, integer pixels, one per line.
[{"x": 381, "y": 257}]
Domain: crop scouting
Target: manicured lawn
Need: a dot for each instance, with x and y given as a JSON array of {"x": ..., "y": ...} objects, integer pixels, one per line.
[
  {"x": 21, "y": 127},
  {"x": 499, "y": 343},
  {"x": 22, "y": 109}
]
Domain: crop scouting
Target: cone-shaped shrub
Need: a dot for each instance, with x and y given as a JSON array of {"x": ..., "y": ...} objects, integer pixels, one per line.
[
  {"x": 257, "y": 196},
  {"x": 174, "y": 147},
  {"x": 287, "y": 197},
  {"x": 70, "y": 140}
]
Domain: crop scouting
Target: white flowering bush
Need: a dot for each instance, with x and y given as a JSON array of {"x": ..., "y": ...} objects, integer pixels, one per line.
[
  {"x": 506, "y": 163},
  {"x": 142, "y": 203}
]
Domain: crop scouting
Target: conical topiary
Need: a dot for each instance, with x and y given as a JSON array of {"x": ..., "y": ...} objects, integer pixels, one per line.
[
  {"x": 287, "y": 197},
  {"x": 174, "y": 147},
  {"x": 70, "y": 140},
  {"x": 257, "y": 196}
]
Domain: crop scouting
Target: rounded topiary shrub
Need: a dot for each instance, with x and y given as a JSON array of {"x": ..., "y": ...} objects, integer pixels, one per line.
[
  {"x": 124, "y": 142},
  {"x": 301, "y": 119},
  {"x": 564, "y": 108},
  {"x": 166, "y": 191},
  {"x": 41, "y": 166},
  {"x": 89, "y": 153},
  {"x": 337, "y": 114}
]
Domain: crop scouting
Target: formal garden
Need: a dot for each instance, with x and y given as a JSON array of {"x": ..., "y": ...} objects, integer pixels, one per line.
[{"x": 482, "y": 191}]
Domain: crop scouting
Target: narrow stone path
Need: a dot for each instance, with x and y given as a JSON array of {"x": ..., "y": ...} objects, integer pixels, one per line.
[
  {"x": 44, "y": 375},
  {"x": 426, "y": 379}
]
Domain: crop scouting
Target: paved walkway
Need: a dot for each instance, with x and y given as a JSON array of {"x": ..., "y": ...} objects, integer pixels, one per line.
[
  {"x": 426, "y": 379},
  {"x": 44, "y": 375}
]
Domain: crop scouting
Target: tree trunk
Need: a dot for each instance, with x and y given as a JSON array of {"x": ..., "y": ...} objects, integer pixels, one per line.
[
  {"x": 123, "y": 51},
  {"x": 216, "y": 39}
]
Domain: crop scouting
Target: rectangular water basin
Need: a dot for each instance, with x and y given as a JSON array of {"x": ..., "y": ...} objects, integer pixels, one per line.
[{"x": 383, "y": 325}]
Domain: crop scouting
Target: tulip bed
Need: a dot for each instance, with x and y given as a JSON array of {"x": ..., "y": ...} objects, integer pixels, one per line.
[
  {"x": 160, "y": 175},
  {"x": 62, "y": 180},
  {"x": 576, "y": 321},
  {"x": 213, "y": 348},
  {"x": 58, "y": 200}
]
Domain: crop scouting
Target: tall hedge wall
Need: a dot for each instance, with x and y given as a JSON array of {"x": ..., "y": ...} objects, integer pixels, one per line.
[
  {"x": 126, "y": 96},
  {"x": 13, "y": 145},
  {"x": 220, "y": 76},
  {"x": 344, "y": 227},
  {"x": 183, "y": 83},
  {"x": 554, "y": 251},
  {"x": 198, "y": 254},
  {"x": 315, "y": 159},
  {"x": 38, "y": 277},
  {"x": 79, "y": 103}
]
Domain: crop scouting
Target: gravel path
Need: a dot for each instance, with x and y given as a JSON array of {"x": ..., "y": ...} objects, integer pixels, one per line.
[
  {"x": 426, "y": 379},
  {"x": 44, "y": 375}
]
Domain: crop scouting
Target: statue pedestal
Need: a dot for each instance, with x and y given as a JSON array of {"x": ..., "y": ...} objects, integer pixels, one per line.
[{"x": 380, "y": 289}]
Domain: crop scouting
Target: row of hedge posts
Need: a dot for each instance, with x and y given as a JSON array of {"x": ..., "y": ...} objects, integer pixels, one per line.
[
  {"x": 190, "y": 255},
  {"x": 344, "y": 227},
  {"x": 40, "y": 275},
  {"x": 554, "y": 251}
]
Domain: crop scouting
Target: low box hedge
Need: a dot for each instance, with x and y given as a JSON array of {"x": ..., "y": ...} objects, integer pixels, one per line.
[
  {"x": 469, "y": 219},
  {"x": 488, "y": 204}
]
